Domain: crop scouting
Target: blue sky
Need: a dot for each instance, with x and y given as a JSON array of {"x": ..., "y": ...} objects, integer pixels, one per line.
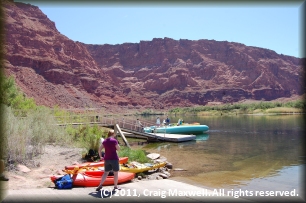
[{"x": 275, "y": 26}]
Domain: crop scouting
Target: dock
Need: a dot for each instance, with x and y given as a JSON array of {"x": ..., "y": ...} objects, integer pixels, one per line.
[
  {"x": 156, "y": 136},
  {"x": 174, "y": 137},
  {"x": 128, "y": 128},
  {"x": 163, "y": 137}
]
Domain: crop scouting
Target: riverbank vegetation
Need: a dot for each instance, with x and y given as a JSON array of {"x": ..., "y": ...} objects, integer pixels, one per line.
[
  {"x": 27, "y": 127},
  {"x": 135, "y": 155},
  {"x": 262, "y": 107}
]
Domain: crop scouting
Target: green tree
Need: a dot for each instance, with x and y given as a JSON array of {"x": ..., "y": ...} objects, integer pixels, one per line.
[
  {"x": 8, "y": 90},
  {"x": 13, "y": 97}
]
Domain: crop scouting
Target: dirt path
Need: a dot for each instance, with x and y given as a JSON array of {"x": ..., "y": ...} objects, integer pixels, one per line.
[{"x": 50, "y": 163}]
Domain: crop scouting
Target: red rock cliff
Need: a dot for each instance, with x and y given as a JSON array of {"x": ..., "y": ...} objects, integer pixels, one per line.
[{"x": 161, "y": 73}]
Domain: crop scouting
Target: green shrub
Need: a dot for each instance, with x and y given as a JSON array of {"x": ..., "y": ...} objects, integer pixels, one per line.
[
  {"x": 296, "y": 104},
  {"x": 146, "y": 112},
  {"x": 26, "y": 137},
  {"x": 243, "y": 108},
  {"x": 87, "y": 136},
  {"x": 134, "y": 155},
  {"x": 13, "y": 97}
]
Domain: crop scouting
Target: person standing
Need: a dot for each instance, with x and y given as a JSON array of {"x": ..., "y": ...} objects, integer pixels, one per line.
[
  {"x": 123, "y": 122},
  {"x": 157, "y": 122},
  {"x": 164, "y": 122},
  {"x": 167, "y": 121},
  {"x": 138, "y": 125},
  {"x": 178, "y": 122},
  {"x": 111, "y": 158}
]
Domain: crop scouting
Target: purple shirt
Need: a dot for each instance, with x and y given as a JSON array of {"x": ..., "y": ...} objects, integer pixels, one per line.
[{"x": 110, "y": 149}]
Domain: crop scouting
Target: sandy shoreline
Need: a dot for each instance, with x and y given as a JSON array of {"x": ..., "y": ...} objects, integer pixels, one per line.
[
  {"x": 36, "y": 184},
  {"x": 165, "y": 190},
  {"x": 51, "y": 162}
]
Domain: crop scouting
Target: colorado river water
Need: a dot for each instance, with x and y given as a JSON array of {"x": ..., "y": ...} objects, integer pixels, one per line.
[{"x": 249, "y": 152}]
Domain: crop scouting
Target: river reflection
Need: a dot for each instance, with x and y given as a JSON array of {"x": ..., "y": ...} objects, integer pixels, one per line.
[{"x": 238, "y": 151}]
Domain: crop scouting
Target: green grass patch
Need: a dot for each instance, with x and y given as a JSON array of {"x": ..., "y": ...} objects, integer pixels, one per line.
[
  {"x": 258, "y": 111},
  {"x": 134, "y": 155},
  {"x": 284, "y": 110},
  {"x": 297, "y": 106}
]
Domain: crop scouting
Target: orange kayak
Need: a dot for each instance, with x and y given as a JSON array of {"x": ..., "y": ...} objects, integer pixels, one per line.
[
  {"x": 122, "y": 160},
  {"x": 93, "y": 180}
]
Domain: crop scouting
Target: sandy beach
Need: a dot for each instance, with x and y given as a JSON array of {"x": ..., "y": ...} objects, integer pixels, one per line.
[{"x": 35, "y": 185}]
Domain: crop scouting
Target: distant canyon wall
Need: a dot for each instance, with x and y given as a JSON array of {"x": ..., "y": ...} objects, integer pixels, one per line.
[{"x": 160, "y": 74}]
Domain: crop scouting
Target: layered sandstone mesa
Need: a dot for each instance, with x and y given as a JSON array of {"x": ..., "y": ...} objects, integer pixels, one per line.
[{"x": 162, "y": 73}]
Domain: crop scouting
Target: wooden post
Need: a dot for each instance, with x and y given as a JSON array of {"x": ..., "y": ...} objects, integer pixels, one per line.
[{"x": 117, "y": 128}]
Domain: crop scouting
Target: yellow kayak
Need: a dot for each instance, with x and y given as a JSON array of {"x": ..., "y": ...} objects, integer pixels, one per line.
[
  {"x": 77, "y": 170},
  {"x": 135, "y": 167}
]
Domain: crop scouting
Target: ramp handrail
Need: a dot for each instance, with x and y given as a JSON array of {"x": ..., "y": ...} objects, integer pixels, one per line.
[{"x": 122, "y": 121}]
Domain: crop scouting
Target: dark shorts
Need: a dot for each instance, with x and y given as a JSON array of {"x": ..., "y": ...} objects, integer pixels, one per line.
[{"x": 111, "y": 165}]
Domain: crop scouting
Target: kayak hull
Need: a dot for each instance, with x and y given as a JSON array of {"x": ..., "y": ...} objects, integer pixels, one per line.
[
  {"x": 132, "y": 168},
  {"x": 138, "y": 168},
  {"x": 93, "y": 178},
  {"x": 122, "y": 160}
]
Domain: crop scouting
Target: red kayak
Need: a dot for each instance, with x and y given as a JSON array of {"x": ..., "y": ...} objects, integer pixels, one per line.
[
  {"x": 93, "y": 180},
  {"x": 122, "y": 160}
]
